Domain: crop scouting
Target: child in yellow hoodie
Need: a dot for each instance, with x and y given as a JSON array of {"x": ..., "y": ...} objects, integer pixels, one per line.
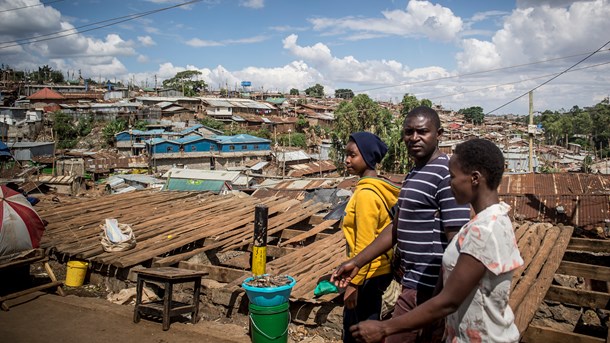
[{"x": 367, "y": 213}]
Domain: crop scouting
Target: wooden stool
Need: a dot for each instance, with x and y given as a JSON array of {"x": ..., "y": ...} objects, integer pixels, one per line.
[{"x": 167, "y": 308}]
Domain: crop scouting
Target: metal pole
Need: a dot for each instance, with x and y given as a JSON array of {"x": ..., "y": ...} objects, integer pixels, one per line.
[
  {"x": 531, "y": 134},
  {"x": 259, "y": 250}
]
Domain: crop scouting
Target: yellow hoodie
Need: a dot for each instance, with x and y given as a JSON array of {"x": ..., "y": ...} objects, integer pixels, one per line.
[{"x": 366, "y": 215}]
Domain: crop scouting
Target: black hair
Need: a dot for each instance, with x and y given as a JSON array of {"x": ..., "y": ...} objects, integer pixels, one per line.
[
  {"x": 427, "y": 112},
  {"x": 483, "y": 156}
]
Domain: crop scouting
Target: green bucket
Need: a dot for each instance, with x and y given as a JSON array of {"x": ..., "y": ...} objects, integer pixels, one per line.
[{"x": 269, "y": 324}]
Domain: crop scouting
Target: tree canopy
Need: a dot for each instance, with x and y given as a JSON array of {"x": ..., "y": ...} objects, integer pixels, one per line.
[
  {"x": 294, "y": 91},
  {"x": 316, "y": 91},
  {"x": 343, "y": 93},
  {"x": 185, "y": 81},
  {"x": 473, "y": 114}
]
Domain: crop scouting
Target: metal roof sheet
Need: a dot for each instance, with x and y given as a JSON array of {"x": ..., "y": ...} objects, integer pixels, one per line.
[
  {"x": 200, "y": 174},
  {"x": 215, "y": 186}
]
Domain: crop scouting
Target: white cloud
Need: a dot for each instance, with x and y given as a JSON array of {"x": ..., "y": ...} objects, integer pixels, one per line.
[
  {"x": 536, "y": 33},
  {"x": 146, "y": 40},
  {"x": 142, "y": 59},
  {"x": 420, "y": 19},
  {"x": 198, "y": 43},
  {"x": 252, "y": 3}
]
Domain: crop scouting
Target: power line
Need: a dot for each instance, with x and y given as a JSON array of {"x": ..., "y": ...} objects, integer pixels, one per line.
[
  {"x": 28, "y": 6},
  {"x": 514, "y": 82},
  {"x": 551, "y": 79},
  {"x": 112, "y": 21},
  {"x": 476, "y": 72}
]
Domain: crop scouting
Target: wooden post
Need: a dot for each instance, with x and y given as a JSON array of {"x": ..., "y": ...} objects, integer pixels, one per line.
[{"x": 259, "y": 249}]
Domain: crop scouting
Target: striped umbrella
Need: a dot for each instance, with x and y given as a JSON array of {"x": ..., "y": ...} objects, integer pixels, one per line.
[{"x": 21, "y": 227}]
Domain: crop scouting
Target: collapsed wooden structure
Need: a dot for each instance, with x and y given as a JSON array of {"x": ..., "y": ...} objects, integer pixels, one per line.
[{"x": 171, "y": 227}]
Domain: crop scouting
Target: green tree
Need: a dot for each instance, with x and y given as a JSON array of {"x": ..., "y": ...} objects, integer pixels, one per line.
[
  {"x": 85, "y": 125},
  {"x": 294, "y": 91},
  {"x": 316, "y": 91},
  {"x": 141, "y": 125},
  {"x": 65, "y": 130},
  {"x": 111, "y": 129},
  {"x": 56, "y": 76},
  {"x": 360, "y": 114},
  {"x": 212, "y": 123},
  {"x": 185, "y": 81},
  {"x": 408, "y": 103},
  {"x": 473, "y": 114},
  {"x": 301, "y": 123},
  {"x": 344, "y": 93}
]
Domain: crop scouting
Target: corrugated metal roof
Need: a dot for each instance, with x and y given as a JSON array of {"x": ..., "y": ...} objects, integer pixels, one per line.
[
  {"x": 557, "y": 183},
  {"x": 241, "y": 138},
  {"x": 312, "y": 168},
  {"x": 298, "y": 184},
  {"x": 200, "y": 174},
  {"x": 189, "y": 185},
  {"x": 288, "y": 156}
]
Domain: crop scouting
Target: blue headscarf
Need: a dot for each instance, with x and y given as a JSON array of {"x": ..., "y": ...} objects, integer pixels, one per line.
[{"x": 371, "y": 147}]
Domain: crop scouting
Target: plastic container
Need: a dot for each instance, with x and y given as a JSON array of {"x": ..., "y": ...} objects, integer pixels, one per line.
[
  {"x": 269, "y": 324},
  {"x": 268, "y": 296},
  {"x": 75, "y": 273}
]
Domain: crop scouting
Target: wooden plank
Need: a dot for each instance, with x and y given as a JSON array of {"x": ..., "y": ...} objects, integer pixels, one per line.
[
  {"x": 315, "y": 230},
  {"x": 535, "y": 294},
  {"x": 587, "y": 271},
  {"x": 524, "y": 285},
  {"x": 291, "y": 233},
  {"x": 220, "y": 274},
  {"x": 276, "y": 252},
  {"x": 579, "y": 297},
  {"x": 536, "y": 334},
  {"x": 589, "y": 245}
]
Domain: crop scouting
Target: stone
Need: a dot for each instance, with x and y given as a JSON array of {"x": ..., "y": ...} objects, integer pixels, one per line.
[{"x": 590, "y": 318}]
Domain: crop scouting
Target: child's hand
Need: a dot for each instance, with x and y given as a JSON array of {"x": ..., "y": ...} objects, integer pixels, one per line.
[{"x": 343, "y": 275}]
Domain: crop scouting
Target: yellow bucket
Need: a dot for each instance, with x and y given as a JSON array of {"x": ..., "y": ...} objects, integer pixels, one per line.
[{"x": 75, "y": 274}]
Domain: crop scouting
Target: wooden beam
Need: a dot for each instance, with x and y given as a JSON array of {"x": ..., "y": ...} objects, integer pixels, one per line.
[
  {"x": 312, "y": 232},
  {"x": 579, "y": 297},
  {"x": 587, "y": 271},
  {"x": 547, "y": 335},
  {"x": 589, "y": 245},
  {"x": 220, "y": 274},
  {"x": 288, "y": 234},
  {"x": 274, "y": 251}
]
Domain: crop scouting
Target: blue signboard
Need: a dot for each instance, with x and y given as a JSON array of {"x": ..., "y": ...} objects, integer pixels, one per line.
[{"x": 246, "y": 83}]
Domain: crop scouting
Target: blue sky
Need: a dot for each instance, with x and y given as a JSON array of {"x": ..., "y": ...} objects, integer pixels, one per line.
[{"x": 456, "y": 53}]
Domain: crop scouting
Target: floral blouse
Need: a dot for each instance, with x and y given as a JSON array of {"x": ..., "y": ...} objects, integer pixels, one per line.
[{"x": 485, "y": 316}]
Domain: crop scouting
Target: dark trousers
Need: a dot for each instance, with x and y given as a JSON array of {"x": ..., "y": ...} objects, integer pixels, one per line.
[{"x": 368, "y": 306}]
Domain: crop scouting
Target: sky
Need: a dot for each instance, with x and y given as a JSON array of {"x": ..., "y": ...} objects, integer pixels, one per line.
[{"x": 456, "y": 53}]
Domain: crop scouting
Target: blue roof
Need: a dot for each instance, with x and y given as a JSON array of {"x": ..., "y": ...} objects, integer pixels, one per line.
[
  {"x": 191, "y": 129},
  {"x": 188, "y": 139},
  {"x": 154, "y": 141},
  {"x": 242, "y": 138}
]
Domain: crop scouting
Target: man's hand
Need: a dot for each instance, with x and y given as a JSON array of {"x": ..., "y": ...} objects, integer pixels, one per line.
[
  {"x": 350, "y": 297},
  {"x": 343, "y": 275},
  {"x": 368, "y": 331}
]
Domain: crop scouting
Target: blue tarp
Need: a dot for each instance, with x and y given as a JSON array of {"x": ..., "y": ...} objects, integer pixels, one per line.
[{"x": 4, "y": 150}]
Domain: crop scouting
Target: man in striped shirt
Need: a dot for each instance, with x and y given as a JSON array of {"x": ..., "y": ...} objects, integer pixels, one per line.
[{"x": 428, "y": 217}]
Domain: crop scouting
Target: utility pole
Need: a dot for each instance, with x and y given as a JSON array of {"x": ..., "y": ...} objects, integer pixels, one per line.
[{"x": 531, "y": 132}]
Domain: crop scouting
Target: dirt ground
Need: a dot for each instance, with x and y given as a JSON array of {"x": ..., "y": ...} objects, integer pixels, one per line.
[
  {"x": 43, "y": 317},
  {"x": 85, "y": 315}
]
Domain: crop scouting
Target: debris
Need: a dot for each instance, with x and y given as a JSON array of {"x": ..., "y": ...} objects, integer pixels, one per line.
[{"x": 266, "y": 281}]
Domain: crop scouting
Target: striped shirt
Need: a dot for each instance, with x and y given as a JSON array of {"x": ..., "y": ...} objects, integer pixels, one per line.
[{"x": 426, "y": 207}]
